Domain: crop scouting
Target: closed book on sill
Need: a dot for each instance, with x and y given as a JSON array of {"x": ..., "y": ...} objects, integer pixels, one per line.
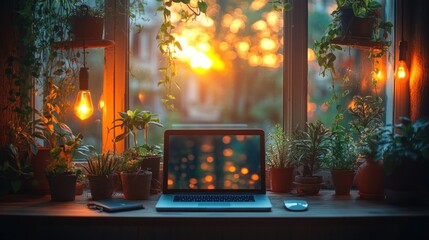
[{"x": 115, "y": 205}]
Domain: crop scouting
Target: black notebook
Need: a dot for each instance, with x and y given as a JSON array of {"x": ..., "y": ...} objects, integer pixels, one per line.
[{"x": 115, "y": 205}]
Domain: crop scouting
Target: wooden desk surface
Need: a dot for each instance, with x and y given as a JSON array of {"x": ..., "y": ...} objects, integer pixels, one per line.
[{"x": 328, "y": 215}]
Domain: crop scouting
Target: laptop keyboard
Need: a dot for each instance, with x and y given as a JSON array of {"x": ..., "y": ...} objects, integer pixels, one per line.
[{"x": 214, "y": 198}]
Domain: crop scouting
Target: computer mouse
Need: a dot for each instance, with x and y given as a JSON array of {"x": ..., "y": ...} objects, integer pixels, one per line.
[{"x": 296, "y": 205}]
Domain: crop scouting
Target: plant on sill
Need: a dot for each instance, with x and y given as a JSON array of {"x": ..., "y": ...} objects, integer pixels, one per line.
[
  {"x": 312, "y": 147},
  {"x": 104, "y": 164},
  {"x": 342, "y": 154},
  {"x": 325, "y": 47},
  {"x": 410, "y": 145},
  {"x": 279, "y": 148},
  {"x": 133, "y": 121},
  {"x": 367, "y": 113}
]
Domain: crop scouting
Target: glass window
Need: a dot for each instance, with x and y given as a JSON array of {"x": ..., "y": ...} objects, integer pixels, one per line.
[
  {"x": 354, "y": 69},
  {"x": 230, "y": 68}
]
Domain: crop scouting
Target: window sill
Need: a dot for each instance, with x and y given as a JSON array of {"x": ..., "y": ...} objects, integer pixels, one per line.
[{"x": 330, "y": 215}]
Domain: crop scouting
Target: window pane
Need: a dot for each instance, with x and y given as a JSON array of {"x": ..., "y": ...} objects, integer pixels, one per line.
[
  {"x": 230, "y": 69},
  {"x": 351, "y": 64}
]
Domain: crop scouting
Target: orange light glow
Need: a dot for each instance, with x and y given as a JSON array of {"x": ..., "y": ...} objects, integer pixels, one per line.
[
  {"x": 193, "y": 181},
  {"x": 244, "y": 171},
  {"x": 208, "y": 178},
  {"x": 101, "y": 105},
  {"x": 204, "y": 166},
  {"x": 258, "y": 4},
  {"x": 228, "y": 152},
  {"x": 311, "y": 56},
  {"x": 227, "y": 183},
  {"x": 401, "y": 70},
  {"x": 232, "y": 169},
  {"x": 206, "y": 148},
  {"x": 211, "y": 186},
  {"x": 240, "y": 138},
  {"x": 259, "y": 25},
  {"x": 210, "y": 159},
  {"x": 255, "y": 177},
  {"x": 268, "y": 44},
  {"x": 226, "y": 139},
  {"x": 141, "y": 97},
  {"x": 170, "y": 182},
  {"x": 236, "y": 176},
  {"x": 83, "y": 107}
]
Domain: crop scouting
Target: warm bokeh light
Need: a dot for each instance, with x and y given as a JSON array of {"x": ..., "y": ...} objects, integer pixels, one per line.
[
  {"x": 244, "y": 171},
  {"x": 83, "y": 107},
  {"x": 401, "y": 70},
  {"x": 226, "y": 139},
  {"x": 228, "y": 152},
  {"x": 232, "y": 169},
  {"x": 311, "y": 56},
  {"x": 208, "y": 178},
  {"x": 210, "y": 159},
  {"x": 255, "y": 177},
  {"x": 170, "y": 182}
]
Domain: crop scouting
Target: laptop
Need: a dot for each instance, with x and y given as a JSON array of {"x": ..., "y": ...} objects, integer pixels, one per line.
[{"x": 214, "y": 170}]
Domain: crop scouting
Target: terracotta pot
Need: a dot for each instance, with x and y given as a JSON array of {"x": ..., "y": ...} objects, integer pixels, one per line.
[
  {"x": 101, "y": 187},
  {"x": 281, "y": 179},
  {"x": 356, "y": 27},
  {"x": 39, "y": 163},
  {"x": 136, "y": 186},
  {"x": 62, "y": 187},
  {"x": 86, "y": 27},
  {"x": 343, "y": 181},
  {"x": 79, "y": 188},
  {"x": 308, "y": 185},
  {"x": 370, "y": 180}
]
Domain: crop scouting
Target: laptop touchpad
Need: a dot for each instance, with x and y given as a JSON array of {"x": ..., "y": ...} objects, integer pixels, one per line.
[{"x": 214, "y": 204}]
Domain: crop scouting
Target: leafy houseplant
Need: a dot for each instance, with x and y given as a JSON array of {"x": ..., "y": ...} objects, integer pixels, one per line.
[
  {"x": 341, "y": 159},
  {"x": 312, "y": 147},
  {"x": 280, "y": 159},
  {"x": 133, "y": 121},
  {"x": 100, "y": 169},
  {"x": 367, "y": 113},
  {"x": 326, "y": 46},
  {"x": 61, "y": 172},
  {"x": 406, "y": 161}
]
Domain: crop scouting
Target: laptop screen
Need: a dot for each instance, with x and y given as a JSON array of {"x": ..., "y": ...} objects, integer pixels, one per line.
[{"x": 214, "y": 160}]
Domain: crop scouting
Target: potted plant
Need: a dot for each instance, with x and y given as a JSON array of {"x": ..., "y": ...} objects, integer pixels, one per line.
[
  {"x": 136, "y": 182},
  {"x": 280, "y": 160},
  {"x": 406, "y": 161},
  {"x": 367, "y": 113},
  {"x": 311, "y": 146},
  {"x": 341, "y": 159},
  {"x": 100, "y": 169},
  {"x": 342, "y": 31},
  {"x": 87, "y": 23},
  {"x": 61, "y": 172},
  {"x": 133, "y": 121}
]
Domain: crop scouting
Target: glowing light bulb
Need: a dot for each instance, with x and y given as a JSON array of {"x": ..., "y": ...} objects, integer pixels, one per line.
[
  {"x": 83, "y": 107},
  {"x": 401, "y": 70}
]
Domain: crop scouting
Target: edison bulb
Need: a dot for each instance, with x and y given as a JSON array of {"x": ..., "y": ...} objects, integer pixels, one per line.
[
  {"x": 83, "y": 107},
  {"x": 402, "y": 70}
]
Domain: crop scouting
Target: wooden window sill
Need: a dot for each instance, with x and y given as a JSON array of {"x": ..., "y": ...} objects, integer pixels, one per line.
[{"x": 328, "y": 215}]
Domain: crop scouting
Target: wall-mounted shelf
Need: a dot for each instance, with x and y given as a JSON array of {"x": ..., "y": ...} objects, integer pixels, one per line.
[
  {"x": 84, "y": 43},
  {"x": 356, "y": 42}
]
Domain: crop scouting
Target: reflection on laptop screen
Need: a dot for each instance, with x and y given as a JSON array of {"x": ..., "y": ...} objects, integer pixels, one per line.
[{"x": 214, "y": 162}]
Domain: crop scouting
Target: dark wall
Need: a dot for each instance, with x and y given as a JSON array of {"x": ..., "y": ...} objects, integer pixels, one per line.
[
  {"x": 417, "y": 17},
  {"x": 9, "y": 39}
]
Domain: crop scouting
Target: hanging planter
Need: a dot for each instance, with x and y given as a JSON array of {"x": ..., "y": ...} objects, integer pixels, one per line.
[
  {"x": 86, "y": 24},
  {"x": 356, "y": 27}
]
